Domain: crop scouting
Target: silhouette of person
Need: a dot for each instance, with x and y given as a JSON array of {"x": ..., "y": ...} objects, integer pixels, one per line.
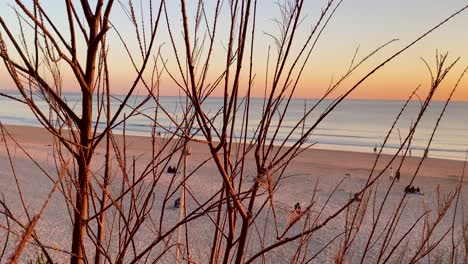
[
  {"x": 177, "y": 203},
  {"x": 297, "y": 208},
  {"x": 172, "y": 169},
  {"x": 356, "y": 197}
]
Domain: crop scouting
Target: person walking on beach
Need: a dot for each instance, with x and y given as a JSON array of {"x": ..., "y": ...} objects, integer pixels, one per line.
[
  {"x": 391, "y": 173},
  {"x": 397, "y": 176}
]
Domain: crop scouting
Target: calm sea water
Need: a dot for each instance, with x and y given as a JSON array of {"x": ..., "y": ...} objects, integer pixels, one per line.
[{"x": 356, "y": 125}]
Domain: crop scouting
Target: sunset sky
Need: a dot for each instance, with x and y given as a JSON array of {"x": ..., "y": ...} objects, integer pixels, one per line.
[{"x": 364, "y": 23}]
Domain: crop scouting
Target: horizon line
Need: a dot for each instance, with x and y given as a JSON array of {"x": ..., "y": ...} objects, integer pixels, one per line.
[{"x": 258, "y": 97}]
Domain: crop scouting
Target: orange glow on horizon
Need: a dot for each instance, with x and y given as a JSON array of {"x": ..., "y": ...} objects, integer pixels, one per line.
[{"x": 349, "y": 30}]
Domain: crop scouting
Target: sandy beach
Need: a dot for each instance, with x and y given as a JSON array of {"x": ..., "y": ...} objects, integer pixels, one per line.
[{"x": 326, "y": 168}]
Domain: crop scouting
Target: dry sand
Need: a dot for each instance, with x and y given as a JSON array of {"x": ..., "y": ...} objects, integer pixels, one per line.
[{"x": 326, "y": 167}]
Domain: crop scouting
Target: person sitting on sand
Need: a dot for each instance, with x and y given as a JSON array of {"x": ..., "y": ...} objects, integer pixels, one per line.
[
  {"x": 356, "y": 197},
  {"x": 418, "y": 191},
  {"x": 409, "y": 189},
  {"x": 172, "y": 169},
  {"x": 177, "y": 203},
  {"x": 297, "y": 208}
]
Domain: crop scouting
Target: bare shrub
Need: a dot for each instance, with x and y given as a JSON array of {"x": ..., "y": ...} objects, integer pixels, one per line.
[{"x": 115, "y": 198}]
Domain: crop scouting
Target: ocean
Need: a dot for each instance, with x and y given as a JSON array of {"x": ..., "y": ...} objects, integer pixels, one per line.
[{"x": 355, "y": 125}]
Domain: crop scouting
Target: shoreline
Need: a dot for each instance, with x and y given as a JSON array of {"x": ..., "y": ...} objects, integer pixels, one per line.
[
  {"x": 417, "y": 153},
  {"x": 343, "y": 130},
  {"x": 337, "y": 159}
]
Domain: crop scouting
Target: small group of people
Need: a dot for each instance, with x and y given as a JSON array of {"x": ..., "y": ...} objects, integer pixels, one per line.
[
  {"x": 413, "y": 190},
  {"x": 298, "y": 208},
  {"x": 171, "y": 169},
  {"x": 425, "y": 152}
]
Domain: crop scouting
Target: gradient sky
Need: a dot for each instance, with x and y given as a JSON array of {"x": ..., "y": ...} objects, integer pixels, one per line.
[{"x": 363, "y": 23}]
